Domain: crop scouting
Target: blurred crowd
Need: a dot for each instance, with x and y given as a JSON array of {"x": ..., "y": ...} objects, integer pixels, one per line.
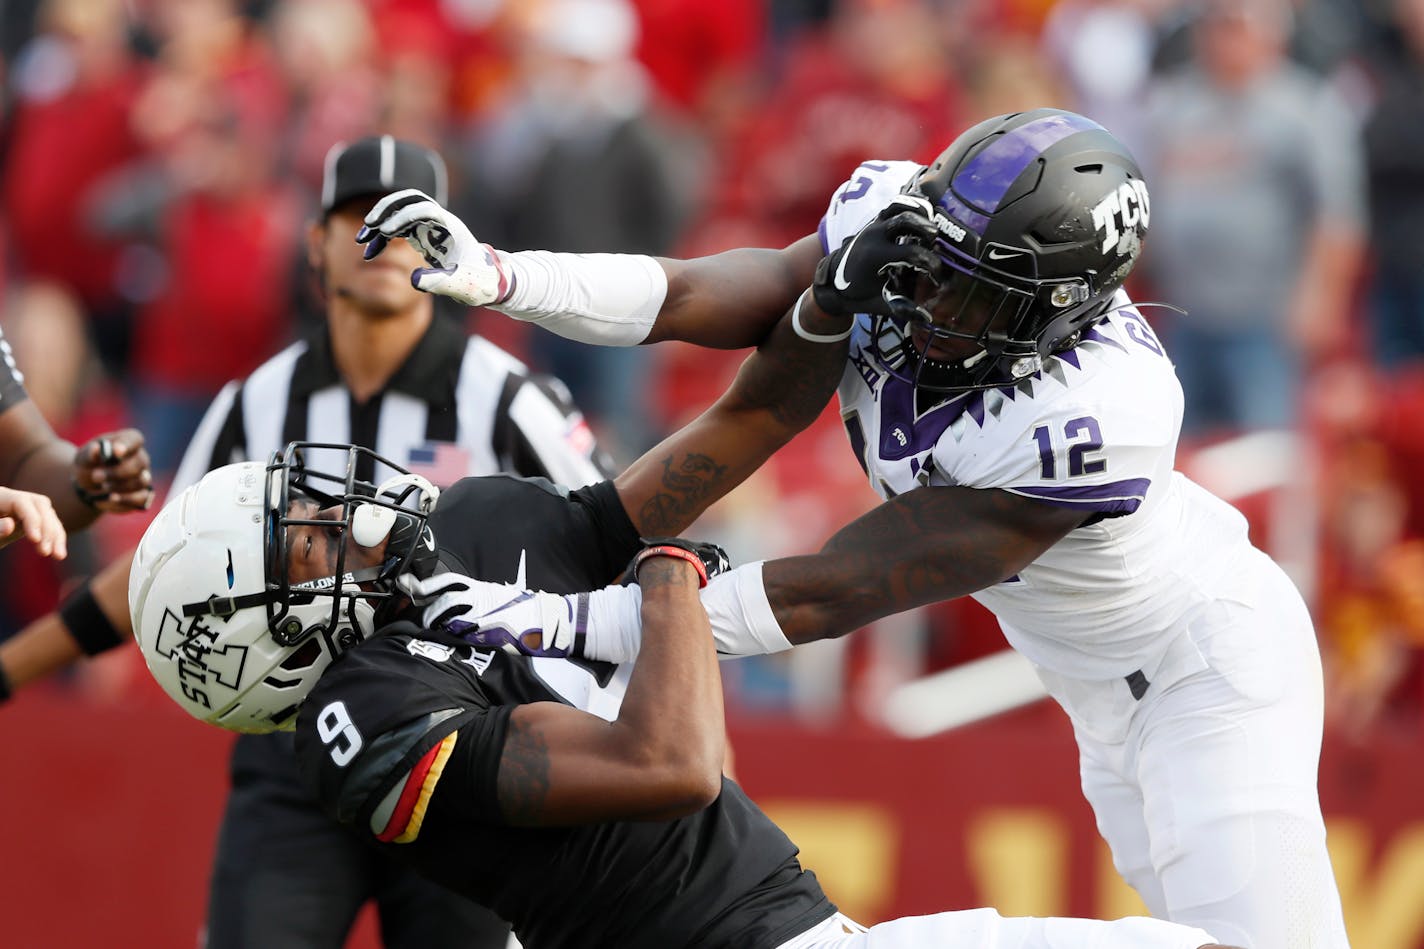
[{"x": 159, "y": 158}]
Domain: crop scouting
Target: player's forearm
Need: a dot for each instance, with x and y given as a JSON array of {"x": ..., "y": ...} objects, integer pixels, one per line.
[
  {"x": 840, "y": 590},
  {"x": 733, "y": 299},
  {"x": 779, "y": 390},
  {"x": 672, "y": 711},
  {"x": 92, "y": 619},
  {"x": 37, "y": 651},
  {"x": 725, "y": 301},
  {"x": 49, "y": 470},
  {"x": 924, "y": 546}
]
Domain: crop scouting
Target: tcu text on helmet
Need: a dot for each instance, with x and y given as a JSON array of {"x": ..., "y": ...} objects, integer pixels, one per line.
[{"x": 1120, "y": 212}]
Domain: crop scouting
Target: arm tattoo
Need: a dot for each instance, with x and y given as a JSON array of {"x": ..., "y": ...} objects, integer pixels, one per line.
[
  {"x": 523, "y": 773},
  {"x": 657, "y": 572},
  {"x": 687, "y": 485},
  {"x": 926, "y": 545}
]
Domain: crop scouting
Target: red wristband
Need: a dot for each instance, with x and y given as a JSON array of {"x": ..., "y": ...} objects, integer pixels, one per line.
[{"x": 665, "y": 551}]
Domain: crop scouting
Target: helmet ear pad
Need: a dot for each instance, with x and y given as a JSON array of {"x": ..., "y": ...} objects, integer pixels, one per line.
[{"x": 371, "y": 524}]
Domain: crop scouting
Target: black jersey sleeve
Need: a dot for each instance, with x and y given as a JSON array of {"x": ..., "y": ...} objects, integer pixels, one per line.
[
  {"x": 563, "y": 541},
  {"x": 12, "y": 381}
]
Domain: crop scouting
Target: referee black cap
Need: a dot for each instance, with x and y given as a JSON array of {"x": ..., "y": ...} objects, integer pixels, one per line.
[{"x": 378, "y": 165}]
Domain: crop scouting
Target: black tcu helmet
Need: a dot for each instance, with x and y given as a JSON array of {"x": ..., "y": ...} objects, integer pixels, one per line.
[{"x": 1040, "y": 217}]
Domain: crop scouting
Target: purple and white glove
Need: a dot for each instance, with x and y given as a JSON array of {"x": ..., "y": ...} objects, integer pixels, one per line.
[
  {"x": 500, "y": 615},
  {"x": 460, "y": 266}
]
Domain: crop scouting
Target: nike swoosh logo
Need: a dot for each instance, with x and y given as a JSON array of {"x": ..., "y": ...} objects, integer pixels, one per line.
[
  {"x": 519, "y": 575},
  {"x": 996, "y": 254},
  {"x": 840, "y": 281}
]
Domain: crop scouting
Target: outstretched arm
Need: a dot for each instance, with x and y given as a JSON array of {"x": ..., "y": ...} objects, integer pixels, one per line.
[
  {"x": 724, "y": 301},
  {"x": 109, "y": 473},
  {"x": 94, "y": 618},
  {"x": 924, "y": 546},
  {"x": 783, "y": 386},
  {"x": 731, "y": 300},
  {"x": 780, "y": 389}
]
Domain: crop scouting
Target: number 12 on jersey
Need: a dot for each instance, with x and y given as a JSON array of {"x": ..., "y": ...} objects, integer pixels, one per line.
[{"x": 1083, "y": 440}]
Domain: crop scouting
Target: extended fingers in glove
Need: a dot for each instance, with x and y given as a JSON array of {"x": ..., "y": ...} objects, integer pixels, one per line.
[
  {"x": 914, "y": 256},
  {"x": 418, "y": 210},
  {"x": 422, "y": 591},
  {"x": 377, "y": 219},
  {"x": 910, "y": 226}
]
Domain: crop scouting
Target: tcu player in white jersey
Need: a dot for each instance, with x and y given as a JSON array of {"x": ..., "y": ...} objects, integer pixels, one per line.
[{"x": 1020, "y": 419}]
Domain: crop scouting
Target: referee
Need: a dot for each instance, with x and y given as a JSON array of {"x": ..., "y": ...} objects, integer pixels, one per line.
[{"x": 387, "y": 373}]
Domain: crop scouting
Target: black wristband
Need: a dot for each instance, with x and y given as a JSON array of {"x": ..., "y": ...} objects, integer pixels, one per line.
[
  {"x": 5, "y": 690},
  {"x": 87, "y": 624}
]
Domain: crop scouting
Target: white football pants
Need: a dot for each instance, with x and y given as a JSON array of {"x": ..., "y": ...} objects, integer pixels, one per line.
[
  {"x": 1206, "y": 789},
  {"x": 986, "y": 929}
]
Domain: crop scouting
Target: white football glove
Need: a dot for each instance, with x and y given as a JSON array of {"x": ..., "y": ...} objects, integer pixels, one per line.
[
  {"x": 460, "y": 266},
  {"x": 521, "y": 622}
]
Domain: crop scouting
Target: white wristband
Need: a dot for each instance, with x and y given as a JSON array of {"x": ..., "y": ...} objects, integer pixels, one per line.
[
  {"x": 742, "y": 621},
  {"x": 602, "y": 299},
  {"x": 810, "y": 337},
  {"x": 614, "y": 629}
]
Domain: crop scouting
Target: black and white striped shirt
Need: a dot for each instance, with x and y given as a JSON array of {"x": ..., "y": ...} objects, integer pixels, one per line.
[{"x": 458, "y": 406}]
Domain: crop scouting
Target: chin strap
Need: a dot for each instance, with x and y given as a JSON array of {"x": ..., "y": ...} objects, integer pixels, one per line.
[{"x": 226, "y": 606}]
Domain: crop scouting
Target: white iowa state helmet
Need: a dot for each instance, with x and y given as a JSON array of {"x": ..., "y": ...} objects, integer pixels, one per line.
[{"x": 220, "y": 626}]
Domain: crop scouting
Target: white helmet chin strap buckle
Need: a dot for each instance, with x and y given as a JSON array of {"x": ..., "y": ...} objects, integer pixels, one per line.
[{"x": 372, "y": 523}]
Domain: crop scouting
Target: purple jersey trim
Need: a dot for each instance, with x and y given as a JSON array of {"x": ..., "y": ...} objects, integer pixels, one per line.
[
  {"x": 987, "y": 177},
  {"x": 821, "y": 233},
  {"x": 1116, "y": 497},
  {"x": 902, "y": 433},
  {"x": 1097, "y": 335}
]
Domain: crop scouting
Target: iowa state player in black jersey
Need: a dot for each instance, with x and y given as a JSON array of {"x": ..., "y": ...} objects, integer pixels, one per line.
[{"x": 583, "y": 801}]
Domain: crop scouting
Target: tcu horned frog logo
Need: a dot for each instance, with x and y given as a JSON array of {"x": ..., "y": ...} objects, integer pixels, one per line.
[
  {"x": 1117, "y": 216},
  {"x": 200, "y": 666}
]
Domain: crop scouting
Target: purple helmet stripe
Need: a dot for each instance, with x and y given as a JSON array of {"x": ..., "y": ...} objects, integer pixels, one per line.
[
  {"x": 962, "y": 213},
  {"x": 986, "y": 178}
]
